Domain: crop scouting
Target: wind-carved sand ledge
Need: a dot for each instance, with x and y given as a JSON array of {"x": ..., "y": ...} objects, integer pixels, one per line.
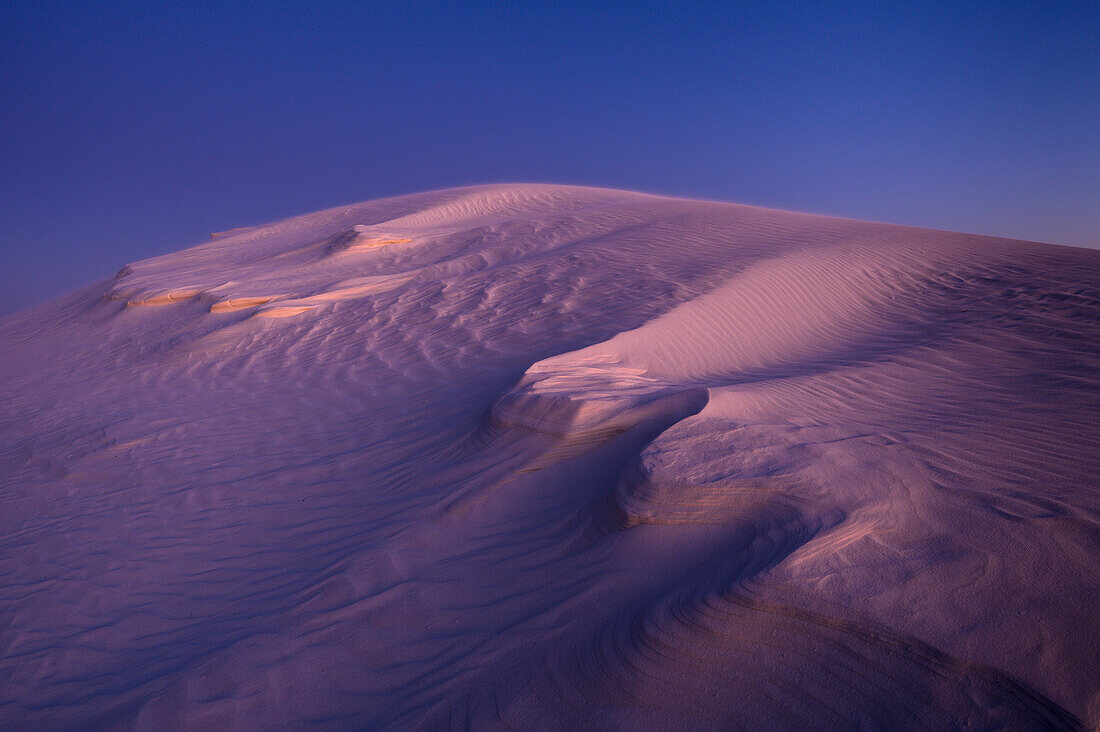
[
  {"x": 315, "y": 287},
  {"x": 538, "y": 456}
]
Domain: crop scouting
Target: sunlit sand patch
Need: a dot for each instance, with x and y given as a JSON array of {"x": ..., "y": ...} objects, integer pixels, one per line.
[
  {"x": 239, "y": 303},
  {"x": 359, "y": 239},
  {"x": 365, "y": 244},
  {"x": 164, "y": 298},
  {"x": 361, "y": 288},
  {"x": 283, "y": 312},
  {"x": 344, "y": 242}
]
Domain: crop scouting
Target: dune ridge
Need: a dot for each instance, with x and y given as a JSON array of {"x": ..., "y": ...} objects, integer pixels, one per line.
[{"x": 539, "y": 456}]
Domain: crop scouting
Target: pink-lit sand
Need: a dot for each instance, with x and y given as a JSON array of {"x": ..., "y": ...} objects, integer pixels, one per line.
[{"x": 540, "y": 457}]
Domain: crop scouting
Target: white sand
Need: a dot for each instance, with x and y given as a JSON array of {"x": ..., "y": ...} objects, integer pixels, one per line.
[{"x": 540, "y": 457}]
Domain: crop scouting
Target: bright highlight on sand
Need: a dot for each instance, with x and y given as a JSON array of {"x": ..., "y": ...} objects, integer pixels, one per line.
[{"x": 546, "y": 457}]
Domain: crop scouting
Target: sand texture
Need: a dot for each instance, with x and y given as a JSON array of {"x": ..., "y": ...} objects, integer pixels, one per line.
[{"x": 543, "y": 457}]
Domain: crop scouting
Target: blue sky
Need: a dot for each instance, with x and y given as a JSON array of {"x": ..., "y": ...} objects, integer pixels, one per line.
[{"x": 135, "y": 129}]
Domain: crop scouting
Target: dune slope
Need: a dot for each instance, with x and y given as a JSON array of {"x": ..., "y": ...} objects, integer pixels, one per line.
[{"x": 538, "y": 456}]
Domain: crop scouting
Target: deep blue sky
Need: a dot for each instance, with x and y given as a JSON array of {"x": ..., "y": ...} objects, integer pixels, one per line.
[{"x": 134, "y": 129}]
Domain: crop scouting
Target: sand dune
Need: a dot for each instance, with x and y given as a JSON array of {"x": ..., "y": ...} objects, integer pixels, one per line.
[{"x": 540, "y": 456}]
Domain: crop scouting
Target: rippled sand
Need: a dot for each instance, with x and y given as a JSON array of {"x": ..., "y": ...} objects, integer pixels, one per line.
[{"x": 542, "y": 456}]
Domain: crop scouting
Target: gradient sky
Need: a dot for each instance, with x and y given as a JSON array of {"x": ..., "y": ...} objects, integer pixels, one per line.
[{"x": 134, "y": 129}]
